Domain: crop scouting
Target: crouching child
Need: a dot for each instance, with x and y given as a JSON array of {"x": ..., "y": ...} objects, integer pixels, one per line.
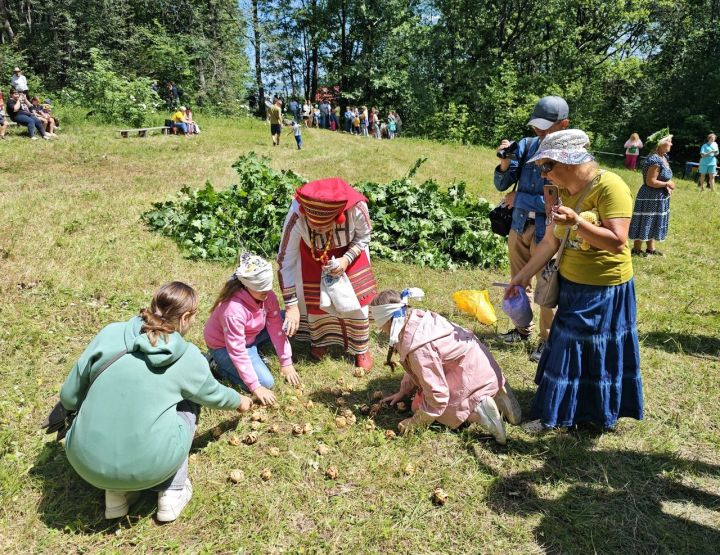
[{"x": 454, "y": 376}]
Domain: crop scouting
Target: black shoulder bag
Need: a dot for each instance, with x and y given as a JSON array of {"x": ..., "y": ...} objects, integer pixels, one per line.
[
  {"x": 501, "y": 216},
  {"x": 60, "y": 419}
]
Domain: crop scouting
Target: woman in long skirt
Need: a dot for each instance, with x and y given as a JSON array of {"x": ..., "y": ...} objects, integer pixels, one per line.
[{"x": 327, "y": 234}]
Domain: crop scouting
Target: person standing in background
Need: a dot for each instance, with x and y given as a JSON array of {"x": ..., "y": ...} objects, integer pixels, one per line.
[
  {"x": 632, "y": 151},
  {"x": 19, "y": 82},
  {"x": 708, "y": 163},
  {"x": 651, "y": 215},
  {"x": 528, "y": 221},
  {"x": 275, "y": 116}
]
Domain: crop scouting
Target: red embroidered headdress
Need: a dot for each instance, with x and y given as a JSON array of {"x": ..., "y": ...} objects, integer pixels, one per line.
[{"x": 325, "y": 201}]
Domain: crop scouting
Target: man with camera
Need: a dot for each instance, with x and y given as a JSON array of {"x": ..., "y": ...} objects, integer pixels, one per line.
[{"x": 528, "y": 219}]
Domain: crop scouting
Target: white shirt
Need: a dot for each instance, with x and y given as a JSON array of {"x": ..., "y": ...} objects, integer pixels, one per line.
[{"x": 19, "y": 83}]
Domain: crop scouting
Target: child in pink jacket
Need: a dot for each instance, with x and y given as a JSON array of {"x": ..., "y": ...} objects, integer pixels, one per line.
[
  {"x": 246, "y": 314},
  {"x": 455, "y": 376}
]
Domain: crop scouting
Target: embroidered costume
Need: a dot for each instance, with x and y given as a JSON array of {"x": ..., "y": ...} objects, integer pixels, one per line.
[{"x": 341, "y": 212}]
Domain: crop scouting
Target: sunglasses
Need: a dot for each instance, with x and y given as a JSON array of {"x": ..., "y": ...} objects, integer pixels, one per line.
[{"x": 547, "y": 166}]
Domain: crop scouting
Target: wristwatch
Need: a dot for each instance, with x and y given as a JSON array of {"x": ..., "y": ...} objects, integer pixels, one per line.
[{"x": 575, "y": 226}]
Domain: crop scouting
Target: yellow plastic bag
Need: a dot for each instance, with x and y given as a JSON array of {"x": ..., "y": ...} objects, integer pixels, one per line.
[{"x": 476, "y": 303}]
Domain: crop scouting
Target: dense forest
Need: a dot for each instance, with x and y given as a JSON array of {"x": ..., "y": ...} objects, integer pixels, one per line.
[{"x": 459, "y": 70}]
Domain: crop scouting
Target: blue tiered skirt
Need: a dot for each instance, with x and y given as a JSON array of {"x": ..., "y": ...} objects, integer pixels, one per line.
[{"x": 590, "y": 368}]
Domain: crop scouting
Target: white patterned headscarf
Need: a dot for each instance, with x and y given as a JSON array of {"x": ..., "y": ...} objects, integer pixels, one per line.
[
  {"x": 254, "y": 272},
  {"x": 395, "y": 311},
  {"x": 567, "y": 147}
]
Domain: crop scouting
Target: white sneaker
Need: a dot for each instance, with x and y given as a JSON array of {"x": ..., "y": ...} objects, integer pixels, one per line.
[
  {"x": 171, "y": 502},
  {"x": 33, "y": 138},
  {"x": 46, "y": 137},
  {"x": 490, "y": 419},
  {"x": 508, "y": 405},
  {"x": 117, "y": 503}
]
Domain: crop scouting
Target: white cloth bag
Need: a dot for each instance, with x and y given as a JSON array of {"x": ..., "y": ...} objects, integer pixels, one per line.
[{"x": 337, "y": 296}]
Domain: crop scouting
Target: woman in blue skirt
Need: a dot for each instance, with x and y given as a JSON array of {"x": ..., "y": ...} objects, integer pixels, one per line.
[
  {"x": 589, "y": 371},
  {"x": 651, "y": 215}
]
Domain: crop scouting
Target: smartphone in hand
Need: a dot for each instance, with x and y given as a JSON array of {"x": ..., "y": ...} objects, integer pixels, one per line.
[{"x": 551, "y": 194}]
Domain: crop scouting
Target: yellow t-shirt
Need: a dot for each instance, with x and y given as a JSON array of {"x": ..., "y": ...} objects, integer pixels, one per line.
[
  {"x": 275, "y": 114},
  {"x": 611, "y": 198},
  {"x": 179, "y": 116}
]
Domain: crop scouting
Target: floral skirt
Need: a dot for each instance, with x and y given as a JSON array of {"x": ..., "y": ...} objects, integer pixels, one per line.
[{"x": 590, "y": 368}]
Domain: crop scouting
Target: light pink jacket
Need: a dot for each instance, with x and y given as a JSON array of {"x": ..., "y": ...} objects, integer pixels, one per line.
[
  {"x": 236, "y": 323},
  {"x": 448, "y": 364}
]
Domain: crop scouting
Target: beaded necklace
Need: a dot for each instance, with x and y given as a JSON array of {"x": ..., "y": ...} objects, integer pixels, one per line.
[{"x": 323, "y": 255}]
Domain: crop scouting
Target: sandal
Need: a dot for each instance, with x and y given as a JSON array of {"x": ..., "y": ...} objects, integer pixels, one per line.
[
  {"x": 654, "y": 252},
  {"x": 637, "y": 252}
]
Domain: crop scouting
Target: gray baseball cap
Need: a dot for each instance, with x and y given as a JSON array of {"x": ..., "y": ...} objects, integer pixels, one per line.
[{"x": 549, "y": 110}]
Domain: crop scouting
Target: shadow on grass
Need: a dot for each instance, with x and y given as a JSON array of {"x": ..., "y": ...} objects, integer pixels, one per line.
[
  {"x": 682, "y": 343},
  {"x": 72, "y": 505},
  {"x": 612, "y": 501}
]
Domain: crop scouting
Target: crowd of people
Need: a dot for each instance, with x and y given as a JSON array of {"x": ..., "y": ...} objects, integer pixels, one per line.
[
  {"x": 356, "y": 120},
  {"x": 571, "y": 225},
  {"x": 707, "y": 167},
  {"x": 588, "y": 362}
]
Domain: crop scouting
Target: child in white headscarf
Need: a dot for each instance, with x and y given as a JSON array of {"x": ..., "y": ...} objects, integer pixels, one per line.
[
  {"x": 246, "y": 314},
  {"x": 454, "y": 376}
]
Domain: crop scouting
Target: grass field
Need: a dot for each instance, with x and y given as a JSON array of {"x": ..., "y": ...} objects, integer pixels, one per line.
[{"x": 74, "y": 257}]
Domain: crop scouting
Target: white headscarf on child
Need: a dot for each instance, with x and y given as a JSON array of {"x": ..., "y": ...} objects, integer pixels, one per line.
[
  {"x": 254, "y": 272},
  {"x": 383, "y": 312}
]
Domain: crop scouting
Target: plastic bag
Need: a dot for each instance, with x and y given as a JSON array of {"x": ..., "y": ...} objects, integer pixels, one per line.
[
  {"x": 518, "y": 309},
  {"x": 476, "y": 303}
]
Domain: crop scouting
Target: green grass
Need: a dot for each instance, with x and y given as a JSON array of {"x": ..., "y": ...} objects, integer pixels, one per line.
[{"x": 74, "y": 257}]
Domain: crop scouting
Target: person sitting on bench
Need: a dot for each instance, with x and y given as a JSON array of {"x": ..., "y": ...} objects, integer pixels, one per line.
[
  {"x": 18, "y": 108},
  {"x": 180, "y": 121}
]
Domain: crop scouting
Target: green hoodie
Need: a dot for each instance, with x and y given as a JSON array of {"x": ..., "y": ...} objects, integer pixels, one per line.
[{"x": 127, "y": 435}]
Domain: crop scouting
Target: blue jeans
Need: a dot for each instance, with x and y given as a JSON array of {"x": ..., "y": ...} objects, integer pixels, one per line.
[
  {"x": 298, "y": 140},
  {"x": 227, "y": 368},
  {"x": 182, "y": 127},
  {"x": 32, "y": 124}
]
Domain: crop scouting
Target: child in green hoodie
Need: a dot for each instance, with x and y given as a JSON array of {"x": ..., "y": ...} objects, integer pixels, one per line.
[{"x": 135, "y": 425}]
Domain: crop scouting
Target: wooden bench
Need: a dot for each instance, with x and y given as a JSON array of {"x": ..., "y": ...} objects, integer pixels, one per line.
[{"x": 144, "y": 131}]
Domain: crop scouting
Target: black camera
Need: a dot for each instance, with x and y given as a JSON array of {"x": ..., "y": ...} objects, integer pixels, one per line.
[{"x": 508, "y": 151}]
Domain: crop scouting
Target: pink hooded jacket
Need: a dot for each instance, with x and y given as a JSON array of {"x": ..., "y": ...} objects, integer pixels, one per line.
[
  {"x": 236, "y": 323},
  {"x": 452, "y": 368}
]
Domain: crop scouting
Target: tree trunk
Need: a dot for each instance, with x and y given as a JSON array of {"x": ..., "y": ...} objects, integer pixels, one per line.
[
  {"x": 344, "y": 57},
  {"x": 7, "y": 34},
  {"x": 314, "y": 74},
  {"x": 258, "y": 61}
]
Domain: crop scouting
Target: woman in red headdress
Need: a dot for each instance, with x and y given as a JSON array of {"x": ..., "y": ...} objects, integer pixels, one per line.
[{"x": 327, "y": 220}]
